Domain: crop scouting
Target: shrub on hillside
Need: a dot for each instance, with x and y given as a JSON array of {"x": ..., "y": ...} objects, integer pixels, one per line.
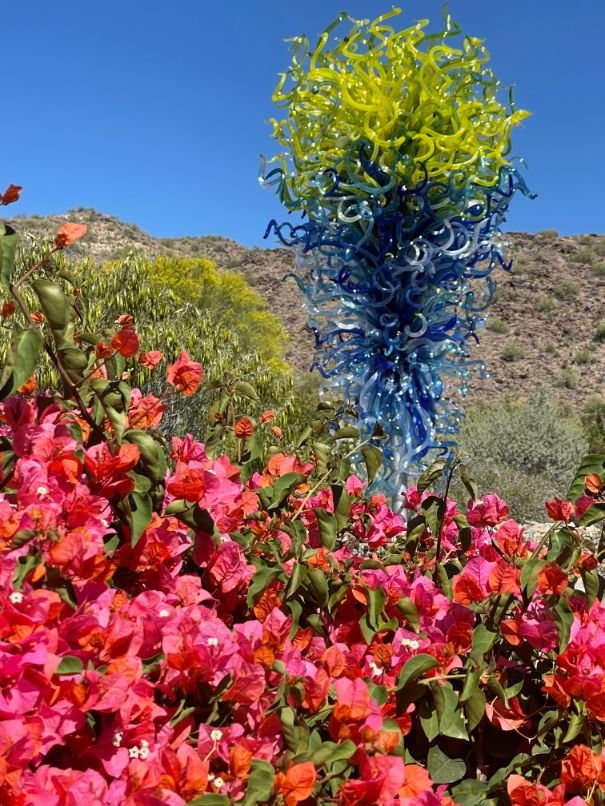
[{"x": 525, "y": 450}]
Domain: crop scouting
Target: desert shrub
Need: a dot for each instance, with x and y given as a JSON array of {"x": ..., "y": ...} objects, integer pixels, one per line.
[
  {"x": 512, "y": 352},
  {"x": 566, "y": 289},
  {"x": 546, "y": 304},
  {"x": 599, "y": 334},
  {"x": 526, "y": 450},
  {"x": 593, "y": 421},
  {"x": 549, "y": 233},
  {"x": 223, "y": 296},
  {"x": 568, "y": 378},
  {"x": 497, "y": 325},
  {"x": 583, "y": 355}
]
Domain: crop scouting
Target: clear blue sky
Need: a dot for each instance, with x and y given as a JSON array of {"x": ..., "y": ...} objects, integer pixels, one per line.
[{"x": 156, "y": 112}]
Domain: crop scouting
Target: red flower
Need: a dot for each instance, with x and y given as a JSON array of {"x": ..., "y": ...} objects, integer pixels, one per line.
[
  {"x": 8, "y": 309},
  {"x": 266, "y": 417},
  {"x": 11, "y": 194},
  {"x": 184, "y": 374},
  {"x": 151, "y": 359},
  {"x": 126, "y": 341},
  {"x": 560, "y": 510},
  {"x": 68, "y": 234}
]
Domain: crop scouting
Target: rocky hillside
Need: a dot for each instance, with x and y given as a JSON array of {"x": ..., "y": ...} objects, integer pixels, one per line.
[{"x": 545, "y": 328}]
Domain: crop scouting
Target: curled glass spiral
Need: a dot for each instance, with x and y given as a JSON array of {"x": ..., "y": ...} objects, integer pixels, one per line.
[{"x": 396, "y": 157}]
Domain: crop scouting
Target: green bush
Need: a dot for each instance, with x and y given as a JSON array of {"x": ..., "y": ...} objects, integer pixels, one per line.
[
  {"x": 583, "y": 355},
  {"x": 224, "y": 296},
  {"x": 546, "y": 304},
  {"x": 593, "y": 421},
  {"x": 566, "y": 289},
  {"x": 599, "y": 334},
  {"x": 512, "y": 352},
  {"x": 568, "y": 378},
  {"x": 527, "y": 451},
  {"x": 497, "y": 325}
]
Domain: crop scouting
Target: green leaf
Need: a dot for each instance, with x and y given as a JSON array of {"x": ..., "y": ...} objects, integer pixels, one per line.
[
  {"x": 408, "y": 610},
  {"x": 24, "y": 566},
  {"x": 53, "y": 302},
  {"x": 245, "y": 389},
  {"x": 21, "y": 363},
  {"x": 299, "y": 574},
  {"x": 329, "y": 752},
  {"x": 376, "y": 601},
  {"x": 483, "y": 641},
  {"x": 474, "y": 708},
  {"x": 592, "y": 584},
  {"x": 342, "y": 505},
  {"x": 372, "y": 457},
  {"x": 563, "y": 619},
  {"x": 450, "y": 718},
  {"x": 70, "y": 665},
  {"x": 263, "y": 577},
  {"x": 367, "y": 631},
  {"x": 469, "y": 483},
  {"x": 211, "y": 799},
  {"x": 429, "y": 719},
  {"x": 327, "y": 528},
  {"x": 594, "y": 514},
  {"x": 576, "y": 723},
  {"x": 471, "y": 683},
  {"x": 434, "y": 512},
  {"x": 319, "y": 585},
  {"x": 260, "y": 783},
  {"x": 283, "y": 487},
  {"x": 442, "y": 768},
  {"x": 471, "y": 793},
  {"x": 141, "y": 512},
  {"x": 415, "y": 667},
  {"x": 529, "y": 576},
  {"x": 348, "y": 432},
  {"x": 431, "y": 475},
  {"x": 8, "y": 248},
  {"x": 592, "y": 463}
]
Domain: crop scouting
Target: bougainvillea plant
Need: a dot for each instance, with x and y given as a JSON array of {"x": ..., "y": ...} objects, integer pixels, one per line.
[{"x": 175, "y": 631}]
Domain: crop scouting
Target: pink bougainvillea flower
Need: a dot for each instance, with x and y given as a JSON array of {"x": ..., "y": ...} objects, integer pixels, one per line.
[
  {"x": 185, "y": 374},
  {"x": 487, "y": 511}
]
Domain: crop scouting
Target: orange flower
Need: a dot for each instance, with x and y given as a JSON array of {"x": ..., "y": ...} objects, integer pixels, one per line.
[
  {"x": 103, "y": 350},
  {"x": 244, "y": 428},
  {"x": 593, "y": 483},
  {"x": 266, "y": 417},
  {"x": 297, "y": 784},
  {"x": 552, "y": 579},
  {"x": 68, "y": 234},
  {"x": 11, "y": 194},
  {"x": 581, "y": 768},
  {"x": 277, "y": 432},
  {"x": 28, "y": 387},
  {"x": 184, "y": 374}
]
